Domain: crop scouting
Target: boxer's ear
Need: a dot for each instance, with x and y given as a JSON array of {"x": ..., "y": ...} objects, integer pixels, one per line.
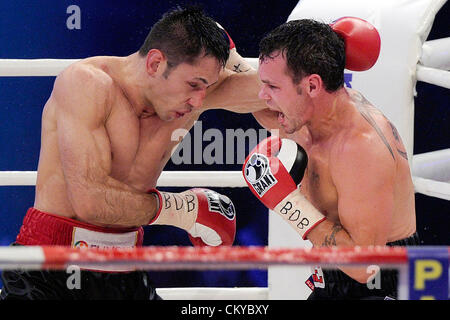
[
  {"x": 313, "y": 85},
  {"x": 155, "y": 61}
]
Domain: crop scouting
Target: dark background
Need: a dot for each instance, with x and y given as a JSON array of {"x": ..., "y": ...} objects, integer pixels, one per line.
[{"x": 37, "y": 29}]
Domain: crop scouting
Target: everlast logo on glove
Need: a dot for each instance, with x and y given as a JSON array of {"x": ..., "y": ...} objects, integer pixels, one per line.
[
  {"x": 257, "y": 172},
  {"x": 220, "y": 204}
]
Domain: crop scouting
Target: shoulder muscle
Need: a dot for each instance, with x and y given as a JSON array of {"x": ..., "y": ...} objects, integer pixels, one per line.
[{"x": 83, "y": 91}]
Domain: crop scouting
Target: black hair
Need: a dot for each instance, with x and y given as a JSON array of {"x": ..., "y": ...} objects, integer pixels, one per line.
[
  {"x": 184, "y": 34},
  {"x": 310, "y": 47}
]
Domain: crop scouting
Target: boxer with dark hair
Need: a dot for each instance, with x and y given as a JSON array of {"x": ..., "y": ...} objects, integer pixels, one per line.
[{"x": 356, "y": 186}]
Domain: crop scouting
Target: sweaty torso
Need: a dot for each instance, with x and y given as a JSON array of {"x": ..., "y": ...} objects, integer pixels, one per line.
[
  {"x": 318, "y": 185},
  {"x": 137, "y": 148}
]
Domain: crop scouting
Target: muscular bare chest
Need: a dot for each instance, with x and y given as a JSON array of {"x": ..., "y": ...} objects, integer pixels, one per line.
[
  {"x": 140, "y": 148},
  {"x": 317, "y": 185}
]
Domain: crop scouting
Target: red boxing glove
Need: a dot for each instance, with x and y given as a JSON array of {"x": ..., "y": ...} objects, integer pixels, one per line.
[
  {"x": 226, "y": 35},
  {"x": 362, "y": 42},
  {"x": 216, "y": 219},
  {"x": 207, "y": 216},
  {"x": 272, "y": 170}
]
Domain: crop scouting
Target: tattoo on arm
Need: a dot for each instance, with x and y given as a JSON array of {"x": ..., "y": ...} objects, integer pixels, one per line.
[
  {"x": 402, "y": 153},
  {"x": 398, "y": 139},
  {"x": 394, "y": 131},
  {"x": 365, "y": 108},
  {"x": 315, "y": 178},
  {"x": 237, "y": 68},
  {"x": 330, "y": 240}
]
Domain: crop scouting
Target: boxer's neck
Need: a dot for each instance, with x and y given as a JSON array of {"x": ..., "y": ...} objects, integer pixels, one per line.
[
  {"x": 331, "y": 114},
  {"x": 134, "y": 83}
]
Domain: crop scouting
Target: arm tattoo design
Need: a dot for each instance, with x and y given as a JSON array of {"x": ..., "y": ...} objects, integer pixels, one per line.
[
  {"x": 237, "y": 68},
  {"x": 398, "y": 139},
  {"x": 394, "y": 131},
  {"x": 315, "y": 178},
  {"x": 403, "y": 154},
  {"x": 363, "y": 106},
  {"x": 330, "y": 240}
]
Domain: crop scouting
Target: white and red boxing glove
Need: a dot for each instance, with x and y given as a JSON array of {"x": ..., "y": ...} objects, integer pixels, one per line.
[
  {"x": 207, "y": 216},
  {"x": 273, "y": 170},
  {"x": 362, "y": 42}
]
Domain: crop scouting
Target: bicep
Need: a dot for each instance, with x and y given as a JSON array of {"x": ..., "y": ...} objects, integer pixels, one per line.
[
  {"x": 84, "y": 150},
  {"x": 365, "y": 186},
  {"x": 82, "y": 138}
]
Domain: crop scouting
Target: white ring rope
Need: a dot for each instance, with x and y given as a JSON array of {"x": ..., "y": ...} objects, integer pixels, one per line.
[
  {"x": 218, "y": 179},
  {"x": 52, "y": 67},
  {"x": 49, "y": 67},
  {"x": 436, "y": 54},
  {"x": 33, "y": 67},
  {"x": 432, "y": 188},
  {"x": 231, "y": 179},
  {"x": 433, "y": 76},
  {"x": 434, "y": 165},
  {"x": 198, "y": 293}
]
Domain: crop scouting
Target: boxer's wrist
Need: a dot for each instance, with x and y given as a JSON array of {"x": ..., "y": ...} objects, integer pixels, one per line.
[
  {"x": 175, "y": 209},
  {"x": 237, "y": 63},
  {"x": 208, "y": 217},
  {"x": 296, "y": 210}
]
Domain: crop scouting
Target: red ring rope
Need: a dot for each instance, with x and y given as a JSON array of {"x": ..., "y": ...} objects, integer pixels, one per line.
[
  {"x": 201, "y": 258},
  {"x": 182, "y": 257}
]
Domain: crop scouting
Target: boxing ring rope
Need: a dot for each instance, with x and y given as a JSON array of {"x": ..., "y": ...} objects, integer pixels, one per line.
[
  {"x": 436, "y": 54},
  {"x": 205, "y": 258},
  {"x": 196, "y": 258},
  {"x": 222, "y": 179},
  {"x": 433, "y": 76},
  {"x": 211, "y": 258}
]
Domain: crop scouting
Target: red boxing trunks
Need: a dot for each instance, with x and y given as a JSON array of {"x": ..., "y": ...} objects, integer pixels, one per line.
[
  {"x": 108, "y": 282},
  {"x": 41, "y": 228}
]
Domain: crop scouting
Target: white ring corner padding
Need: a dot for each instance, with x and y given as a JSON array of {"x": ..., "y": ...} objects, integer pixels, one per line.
[
  {"x": 433, "y": 76},
  {"x": 193, "y": 293},
  {"x": 436, "y": 54},
  {"x": 233, "y": 179},
  {"x": 50, "y": 67}
]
